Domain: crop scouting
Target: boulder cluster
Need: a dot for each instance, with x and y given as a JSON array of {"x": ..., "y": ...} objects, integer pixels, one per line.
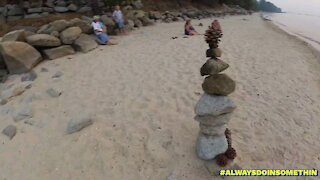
[
  {"x": 26, "y": 46},
  {"x": 21, "y": 50},
  {"x": 39, "y": 8},
  {"x": 184, "y": 14},
  {"x": 214, "y": 109}
]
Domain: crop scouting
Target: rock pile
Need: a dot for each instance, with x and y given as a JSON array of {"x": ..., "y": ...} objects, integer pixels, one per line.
[
  {"x": 38, "y": 9},
  {"x": 183, "y": 14},
  {"x": 214, "y": 109},
  {"x": 21, "y": 50},
  {"x": 25, "y": 47}
]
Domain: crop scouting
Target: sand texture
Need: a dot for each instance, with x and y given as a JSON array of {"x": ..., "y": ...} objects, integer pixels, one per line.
[{"x": 141, "y": 95}]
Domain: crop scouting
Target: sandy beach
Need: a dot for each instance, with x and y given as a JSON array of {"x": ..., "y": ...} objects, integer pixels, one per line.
[{"x": 141, "y": 95}]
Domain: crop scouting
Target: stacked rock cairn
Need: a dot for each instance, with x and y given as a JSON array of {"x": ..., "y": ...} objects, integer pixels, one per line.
[{"x": 214, "y": 109}]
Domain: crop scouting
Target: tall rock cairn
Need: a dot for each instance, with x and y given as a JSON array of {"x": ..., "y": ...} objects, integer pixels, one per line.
[{"x": 214, "y": 109}]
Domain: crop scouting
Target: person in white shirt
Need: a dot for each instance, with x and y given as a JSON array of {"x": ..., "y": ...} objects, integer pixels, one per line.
[
  {"x": 100, "y": 30},
  {"x": 118, "y": 18}
]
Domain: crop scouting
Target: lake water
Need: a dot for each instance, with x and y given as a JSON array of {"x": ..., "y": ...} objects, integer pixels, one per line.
[{"x": 304, "y": 26}]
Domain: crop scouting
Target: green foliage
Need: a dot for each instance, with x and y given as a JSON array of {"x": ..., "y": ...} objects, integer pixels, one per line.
[
  {"x": 268, "y": 7},
  {"x": 246, "y": 4},
  {"x": 111, "y": 3}
]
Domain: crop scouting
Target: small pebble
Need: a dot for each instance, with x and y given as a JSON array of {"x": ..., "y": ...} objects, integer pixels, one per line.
[
  {"x": 53, "y": 93},
  {"x": 23, "y": 113},
  {"x": 57, "y": 74},
  {"x": 10, "y": 131},
  {"x": 31, "y": 76},
  {"x": 44, "y": 70},
  {"x": 3, "y": 102}
]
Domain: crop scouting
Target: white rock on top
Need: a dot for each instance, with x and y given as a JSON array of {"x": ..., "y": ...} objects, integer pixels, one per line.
[{"x": 210, "y": 105}]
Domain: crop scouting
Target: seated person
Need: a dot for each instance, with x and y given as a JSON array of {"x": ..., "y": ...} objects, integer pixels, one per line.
[
  {"x": 189, "y": 30},
  {"x": 100, "y": 31}
]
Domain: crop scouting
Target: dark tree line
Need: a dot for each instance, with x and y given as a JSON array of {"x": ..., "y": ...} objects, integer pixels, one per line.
[
  {"x": 247, "y": 4},
  {"x": 268, "y": 7}
]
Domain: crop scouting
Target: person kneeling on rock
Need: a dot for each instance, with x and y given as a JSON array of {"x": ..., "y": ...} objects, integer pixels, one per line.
[{"x": 100, "y": 31}]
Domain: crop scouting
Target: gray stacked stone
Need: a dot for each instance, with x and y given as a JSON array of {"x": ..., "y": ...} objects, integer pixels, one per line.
[{"x": 214, "y": 109}]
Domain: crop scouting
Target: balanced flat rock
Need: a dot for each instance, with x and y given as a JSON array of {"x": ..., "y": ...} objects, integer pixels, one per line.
[
  {"x": 208, "y": 147},
  {"x": 213, "y": 66},
  {"x": 210, "y": 105},
  {"x": 219, "y": 84},
  {"x": 214, "y": 120}
]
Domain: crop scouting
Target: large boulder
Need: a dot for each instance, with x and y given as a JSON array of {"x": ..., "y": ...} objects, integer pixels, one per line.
[
  {"x": 85, "y": 43},
  {"x": 55, "y": 34},
  {"x": 219, "y": 84},
  {"x": 34, "y": 10},
  {"x": 59, "y": 25},
  {"x": 25, "y": 28},
  {"x": 72, "y": 7},
  {"x": 61, "y": 3},
  {"x": 137, "y": 23},
  {"x": 212, "y": 67},
  {"x": 43, "y": 29},
  {"x": 87, "y": 19},
  {"x": 129, "y": 24},
  {"x": 110, "y": 24},
  {"x": 31, "y": 16},
  {"x": 146, "y": 21},
  {"x": 14, "y": 18},
  {"x": 43, "y": 40},
  {"x": 191, "y": 14},
  {"x": 108, "y": 21},
  {"x": 137, "y": 4},
  {"x": 18, "y": 35},
  {"x": 48, "y": 9},
  {"x": 83, "y": 25},
  {"x": 14, "y": 10},
  {"x": 84, "y": 9},
  {"x": 68, "y": 36},
  {"x": 135, "y": 14},
  {"x": 58, "y": 52},
  {"x": 210, "y": 105},
  {"x": 156, "y": 15},
  {"x": 19, "y": 57},
  {"x": 60, "y": 9}
]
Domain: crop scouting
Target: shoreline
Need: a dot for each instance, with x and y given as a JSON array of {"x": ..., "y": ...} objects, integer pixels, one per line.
[
  {"x": 315, "y": 48},
  {"x": 141, "y": 96}
]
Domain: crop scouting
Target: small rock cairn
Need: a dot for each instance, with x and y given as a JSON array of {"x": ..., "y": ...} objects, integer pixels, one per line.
[{"x": 214, "y": 109}]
